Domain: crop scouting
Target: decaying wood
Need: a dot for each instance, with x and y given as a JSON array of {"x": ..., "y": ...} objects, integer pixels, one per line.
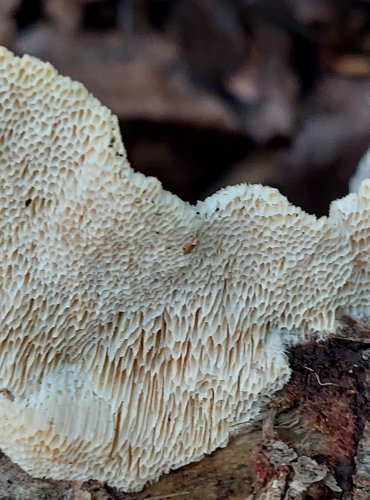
[{"x": 135, "y": 75}]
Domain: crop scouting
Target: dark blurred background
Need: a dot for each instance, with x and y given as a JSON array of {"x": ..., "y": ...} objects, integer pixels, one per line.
[{"x": 216, "y": 92}]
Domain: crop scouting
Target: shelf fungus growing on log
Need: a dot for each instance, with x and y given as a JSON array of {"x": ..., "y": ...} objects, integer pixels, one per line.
[{"x": 137, "y": 331}]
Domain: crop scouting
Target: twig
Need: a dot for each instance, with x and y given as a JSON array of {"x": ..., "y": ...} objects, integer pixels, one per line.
[{"x": 318, "y": 380}]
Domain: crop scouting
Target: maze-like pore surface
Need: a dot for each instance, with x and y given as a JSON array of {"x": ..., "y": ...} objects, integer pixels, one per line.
[{"x": 136, "y": 331}]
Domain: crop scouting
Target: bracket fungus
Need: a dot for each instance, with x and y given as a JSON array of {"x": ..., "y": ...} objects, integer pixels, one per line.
[{"x": 138, "y": 331}]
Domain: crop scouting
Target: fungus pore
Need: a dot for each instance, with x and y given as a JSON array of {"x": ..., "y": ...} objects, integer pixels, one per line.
[{"x": 138, "y": 331}]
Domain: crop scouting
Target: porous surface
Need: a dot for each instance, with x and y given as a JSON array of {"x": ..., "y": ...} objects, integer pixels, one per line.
[{"x": 138, "y": 332}]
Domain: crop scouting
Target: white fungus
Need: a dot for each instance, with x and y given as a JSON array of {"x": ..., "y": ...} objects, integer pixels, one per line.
[{"x": 138, "y": 331}]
